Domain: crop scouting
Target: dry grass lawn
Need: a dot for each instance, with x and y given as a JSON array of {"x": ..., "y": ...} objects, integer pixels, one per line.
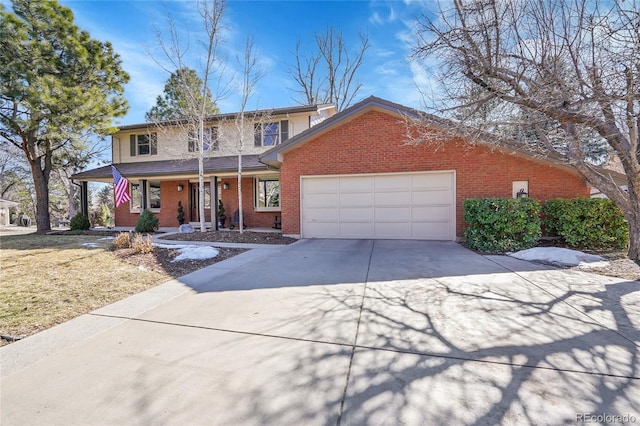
[{"x": 48, "y": 279}]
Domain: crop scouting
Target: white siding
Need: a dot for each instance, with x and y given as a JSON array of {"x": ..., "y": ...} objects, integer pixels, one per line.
[{"x": 173, "y": 144}]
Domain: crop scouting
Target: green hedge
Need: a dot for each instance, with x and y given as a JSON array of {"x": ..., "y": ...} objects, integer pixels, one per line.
[
  {"x": 501, "y": 224},
  {"x": 593, "y": 223},
  {"x": 147, "y": 222}
]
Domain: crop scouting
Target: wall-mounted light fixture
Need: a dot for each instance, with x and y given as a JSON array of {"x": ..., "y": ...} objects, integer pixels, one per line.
[
  {"x": 520, "y": 188},
  {"x": 225, "y": 185},
  {"x": 180, "y": 187}
]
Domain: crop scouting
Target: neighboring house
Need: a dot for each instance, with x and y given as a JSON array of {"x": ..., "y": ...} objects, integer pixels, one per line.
[
  {"x": 161, "y": 164},
  {"x": 351, "y": 175},
  {"x": 5, "y": 213}
]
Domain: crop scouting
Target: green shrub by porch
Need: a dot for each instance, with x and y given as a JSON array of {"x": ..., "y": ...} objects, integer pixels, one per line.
[
  {"x": 591, "y": 223},
  {"x": 147, "y": 222},
  {"x": 79, "y": 222},
  {"x": 498, "y": 225}
]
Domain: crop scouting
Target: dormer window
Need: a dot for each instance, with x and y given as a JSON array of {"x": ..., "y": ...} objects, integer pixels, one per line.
[
  {"x": 145, "y": 144},
  {"x": 271, "y": 134}
]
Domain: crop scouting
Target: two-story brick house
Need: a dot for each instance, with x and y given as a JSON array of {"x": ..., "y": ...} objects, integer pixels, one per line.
[
  {"x": 350, "y": 174},
  {"x": 161, "y": 163}
]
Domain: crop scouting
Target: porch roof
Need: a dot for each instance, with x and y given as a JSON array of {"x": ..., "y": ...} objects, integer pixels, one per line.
[{"x": 178, "y": 167}]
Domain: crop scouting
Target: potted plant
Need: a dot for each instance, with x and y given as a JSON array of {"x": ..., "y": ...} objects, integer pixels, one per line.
[
  {"x": 180, "y": 216},
  {"x": 221, "y": 216}
]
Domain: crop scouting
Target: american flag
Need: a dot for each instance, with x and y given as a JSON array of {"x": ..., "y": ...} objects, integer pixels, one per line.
[{"x": 121, "y": 187}]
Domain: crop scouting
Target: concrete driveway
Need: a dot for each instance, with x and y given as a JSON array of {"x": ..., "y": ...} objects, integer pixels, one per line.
[{"x": 342, "y": 332}]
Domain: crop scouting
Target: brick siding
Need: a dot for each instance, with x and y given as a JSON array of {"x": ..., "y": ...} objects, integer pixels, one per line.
[
  {"x": 375, "y": 143},
  {"x": 169, "y": 197}
]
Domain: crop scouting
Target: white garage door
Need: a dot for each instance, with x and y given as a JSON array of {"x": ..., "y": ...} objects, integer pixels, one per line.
[{"x": 393, "y": 206}]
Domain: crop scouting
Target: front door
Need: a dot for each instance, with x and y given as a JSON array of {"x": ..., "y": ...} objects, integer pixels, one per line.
[{"x": 195, "y": 196}]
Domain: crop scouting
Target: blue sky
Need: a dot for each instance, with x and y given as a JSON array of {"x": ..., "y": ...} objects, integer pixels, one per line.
[{"x": 275, "y": 26}]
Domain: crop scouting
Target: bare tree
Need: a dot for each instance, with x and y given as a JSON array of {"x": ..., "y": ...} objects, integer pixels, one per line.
[
  {"x": 329, "y": 74},
  {"x": 571, "y": 69},
  {"x": 196, "y": 100},
  {"x": 242, "y": 128},
  {"x": 251, "y": 74}
]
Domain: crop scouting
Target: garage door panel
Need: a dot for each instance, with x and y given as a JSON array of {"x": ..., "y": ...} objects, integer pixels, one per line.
[
  {"x": 393, "y": 230},
  {"x": 432, "y": 181},
  {"x": 439, "y": 214},
  {"x": 322, "y": 185},
  {"x": 393, "y": 214},
  {"x": 357, "y": 214},
  {"x": 356, "y": 200},
  {"x": 390, "y": 182},
  {"x": 392, "y": 198},
  {"x": 356, "y": 184},
  {"x": 322, "y": 230},
  {"x": 403, "y": 206},
  {"x": 321, "y": 200},
  {"x": 356, "y": 230},
  {"x": 322, "y": 215},
  {"x": 429, "y": 197}
]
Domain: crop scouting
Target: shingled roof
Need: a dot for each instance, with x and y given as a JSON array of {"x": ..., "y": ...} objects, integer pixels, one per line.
[{"x": 212, "y": 165}]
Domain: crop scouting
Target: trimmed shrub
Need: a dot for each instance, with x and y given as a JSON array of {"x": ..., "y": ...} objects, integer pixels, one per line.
[
  {"x": 122, "y": 240},
  {"x": 147, "y": 222},
  {"x": 141, "y": 244},
  {"x": 591, "y": 223},
  {"x": 497, "y": 225},
  {"x": 180, "y": 216},
  {"x": 79, "y": 222}
]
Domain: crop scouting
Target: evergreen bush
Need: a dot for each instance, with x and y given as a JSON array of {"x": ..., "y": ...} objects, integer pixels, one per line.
[
  {"x": 180, "y": 216},
  {"x": 147, "y": 222},
  {"x": 79, "y": 222},
  {"x": 591, "y": 223},
  {"x": 498, "y": 225}
]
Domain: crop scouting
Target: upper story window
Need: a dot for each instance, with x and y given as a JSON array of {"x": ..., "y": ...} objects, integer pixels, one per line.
[
  {"x": 210, "y": 140},
  {"x": 271, "y": 134},
  {"x": 145, "y": 144}
]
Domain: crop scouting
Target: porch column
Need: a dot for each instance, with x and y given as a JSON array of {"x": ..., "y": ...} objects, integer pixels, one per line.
[
  {"x": 84, "y": 198},
  {"x": 143, "y": 194},
  {"x": 214, "y": 198}
]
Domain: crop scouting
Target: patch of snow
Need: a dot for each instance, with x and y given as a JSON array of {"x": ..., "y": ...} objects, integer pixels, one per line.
[
  {"x": 172, "y": 246},
  {"x": 91, "y": 245},
  {"x": 107, "y": 238},
  {"x": 560, "y": 256},
  {"x": 196, "y": 253},
  {"x": 190, "y": 252}
]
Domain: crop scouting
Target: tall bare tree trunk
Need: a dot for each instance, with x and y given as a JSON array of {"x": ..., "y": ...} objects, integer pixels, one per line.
[
  {"x": 240, "y": 215},
  {"x": 41, "y": 185}
]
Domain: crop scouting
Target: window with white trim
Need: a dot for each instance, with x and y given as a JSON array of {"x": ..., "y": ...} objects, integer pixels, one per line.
[
  {"x": 270, "y": 134},
  {"x": 267, "y": 194},
  {"x": 153, "y": 196},
  {"x": 136, "y": 198}
]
